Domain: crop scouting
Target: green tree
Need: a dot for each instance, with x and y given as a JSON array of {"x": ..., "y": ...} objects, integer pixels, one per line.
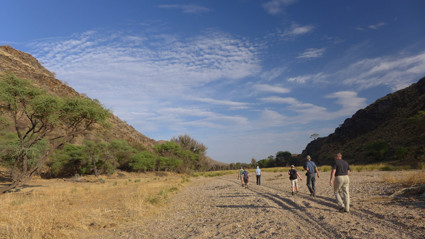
[
  {"x": 143, "y": 161},
  {"x": 42, "y": 123},
  {"x": 314, "y": 136},
  {"x": 68, "y": 161},
  {"x": 188, "y": 143},
  {"x": 122, "y": 152}
]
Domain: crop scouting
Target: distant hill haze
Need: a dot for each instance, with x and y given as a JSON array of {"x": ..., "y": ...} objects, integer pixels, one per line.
[
  {"x": 25, "y": 66},
  {"x": 391, "y": 129}
]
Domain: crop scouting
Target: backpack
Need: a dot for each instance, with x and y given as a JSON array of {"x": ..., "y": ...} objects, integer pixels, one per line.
[{"x": 293, "y": 174}]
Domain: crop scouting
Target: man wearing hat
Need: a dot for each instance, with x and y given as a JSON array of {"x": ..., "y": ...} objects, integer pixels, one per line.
[{"x": 311, "y": 168}]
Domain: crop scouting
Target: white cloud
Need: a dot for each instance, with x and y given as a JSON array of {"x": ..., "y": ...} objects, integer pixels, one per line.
[
  {"x": 159, "y": 65},
  {"x": 193, "y": 9},
  {"x": 312, "y": 53},
  {"x": 232, "y": 104},
  {"x": 207, "y": 117},
  {"x": 297, "y": 30},
  {"x": 274, "y": 99},
  {"x": 396, "y": 72},
  {"x": 271, "y": 89},
  {"x": 307, "y": 112},
  {"x": 372, "y": 26},
  {"x": 273, "y": 73},
  {"x": 376, "y": 26},
  {"x": 349, "y": 101},
  {"x": 276, "y": 6},
  {"x": 317, "y": 78}
]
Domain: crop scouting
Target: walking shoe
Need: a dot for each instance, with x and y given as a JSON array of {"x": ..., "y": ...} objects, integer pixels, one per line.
[
  {"x": 341, "y": 209},
  {"x": 292, "y": 193}
]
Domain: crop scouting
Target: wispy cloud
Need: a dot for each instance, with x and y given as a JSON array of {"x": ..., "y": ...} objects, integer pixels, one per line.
[
  {"x": 376, "y": 26},
  {"x": 185, "y": 116},
  {"x": 231, "y": 104},
  {"x": 307, "y": 112},
  {"x": 372, "y": 27},
  {"x": 349, "y": 101},
  {"x": 276, "y": 6},
  {"x": 152, "y": 64},
  {"x": 193, "y": 9},
  {"x": 312, "y": 53},
  {"x": 395, "y": 72},
  {"x": 273, "y": 73},
  {"x": 271, "y": 89},
  {"x": 296, "y": 30},
  {"x": 316, "y": 78}
]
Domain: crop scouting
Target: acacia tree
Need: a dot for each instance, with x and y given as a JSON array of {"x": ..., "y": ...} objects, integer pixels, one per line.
[
  {"x": 194, "y": 147},
  {"x": 189, "y": 143},
  {"x": 42, "y": 123}
]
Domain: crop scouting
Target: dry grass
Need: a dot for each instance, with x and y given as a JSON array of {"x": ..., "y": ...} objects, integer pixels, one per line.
[
  {"x": 406, "y": 178},
  {"x": 65, "y": 209}
]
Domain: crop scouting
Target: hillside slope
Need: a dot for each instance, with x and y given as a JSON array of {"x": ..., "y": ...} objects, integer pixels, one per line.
[
  {"x": 380, "y": 132},
  {"x": 25, "y": 66}
]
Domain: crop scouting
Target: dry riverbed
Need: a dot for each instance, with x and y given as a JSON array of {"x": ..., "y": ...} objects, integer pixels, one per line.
[{"x": 220, "y": 207}]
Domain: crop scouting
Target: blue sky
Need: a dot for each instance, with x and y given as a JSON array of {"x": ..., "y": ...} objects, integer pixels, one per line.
[{"x": 247, "y": 78}]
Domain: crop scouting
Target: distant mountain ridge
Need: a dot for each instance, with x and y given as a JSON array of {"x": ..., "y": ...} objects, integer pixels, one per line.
[
  {"x": 26, "y": 66},
  {"x": 380, "y": 132}
]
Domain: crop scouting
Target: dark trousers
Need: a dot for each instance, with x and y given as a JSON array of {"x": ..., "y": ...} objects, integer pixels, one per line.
[
  {"x": 311, "y": 182},
  {"x": 258, "y": 179}
]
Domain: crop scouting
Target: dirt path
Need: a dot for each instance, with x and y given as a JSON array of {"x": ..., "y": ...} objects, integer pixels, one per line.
[{"x": 221, "y": 208}]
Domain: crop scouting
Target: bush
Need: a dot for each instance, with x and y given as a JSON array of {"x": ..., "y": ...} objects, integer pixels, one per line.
[
  {"x": 167, "y": 163},
  {"x": 143, "y": 161},
  {"x": 67, "y": 161}
]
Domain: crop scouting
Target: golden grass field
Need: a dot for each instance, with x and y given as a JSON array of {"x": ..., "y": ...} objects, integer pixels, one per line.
[{"x": 65, "y": 209}]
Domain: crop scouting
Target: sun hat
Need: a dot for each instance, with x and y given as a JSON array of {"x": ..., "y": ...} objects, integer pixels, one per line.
[{"x": 308, "y": 156}]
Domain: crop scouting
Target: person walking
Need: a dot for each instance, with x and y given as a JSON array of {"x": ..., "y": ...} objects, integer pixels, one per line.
[
  {"x": 245, "y": 177},
  {"x": 240, "y": 175},
  {"x": 293, "y": 176},
  {"x": 311, "y": 169},
  {"x": 258, "y": 175},
  {"x": 341, "y": 182}
]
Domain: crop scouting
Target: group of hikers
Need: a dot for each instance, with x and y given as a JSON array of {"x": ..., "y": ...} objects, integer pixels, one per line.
[{"x": 338, "y": 179}]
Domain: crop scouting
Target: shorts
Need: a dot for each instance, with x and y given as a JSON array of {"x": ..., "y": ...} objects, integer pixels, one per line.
[
  {"x": 294, "y": 183},
  {"x": 245, "y": 180}
]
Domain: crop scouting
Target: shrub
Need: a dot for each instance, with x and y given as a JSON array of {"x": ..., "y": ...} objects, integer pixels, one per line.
[{"x": 143, "y": 161}]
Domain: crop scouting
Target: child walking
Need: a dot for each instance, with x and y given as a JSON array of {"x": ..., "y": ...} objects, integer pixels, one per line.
[{"x": 293, "y": 176}]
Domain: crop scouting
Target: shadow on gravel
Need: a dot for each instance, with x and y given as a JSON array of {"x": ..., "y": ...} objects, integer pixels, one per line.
[
  {"x": 234, "y": 196},
  {"x": 252, "y": 206},
  {"x": 329, "y": 202}
]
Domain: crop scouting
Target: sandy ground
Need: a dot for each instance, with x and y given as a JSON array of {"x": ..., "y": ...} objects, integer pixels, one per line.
[{"x": 221, "y": 208}]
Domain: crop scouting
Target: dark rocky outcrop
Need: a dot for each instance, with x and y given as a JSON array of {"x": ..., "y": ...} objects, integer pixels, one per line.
[{"x": 383, "y": 125}]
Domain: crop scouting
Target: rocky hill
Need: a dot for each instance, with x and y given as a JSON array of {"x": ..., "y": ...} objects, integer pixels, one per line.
[
  {"x": 390, "y": 129},
  {"x": 25, "y": 66}
]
